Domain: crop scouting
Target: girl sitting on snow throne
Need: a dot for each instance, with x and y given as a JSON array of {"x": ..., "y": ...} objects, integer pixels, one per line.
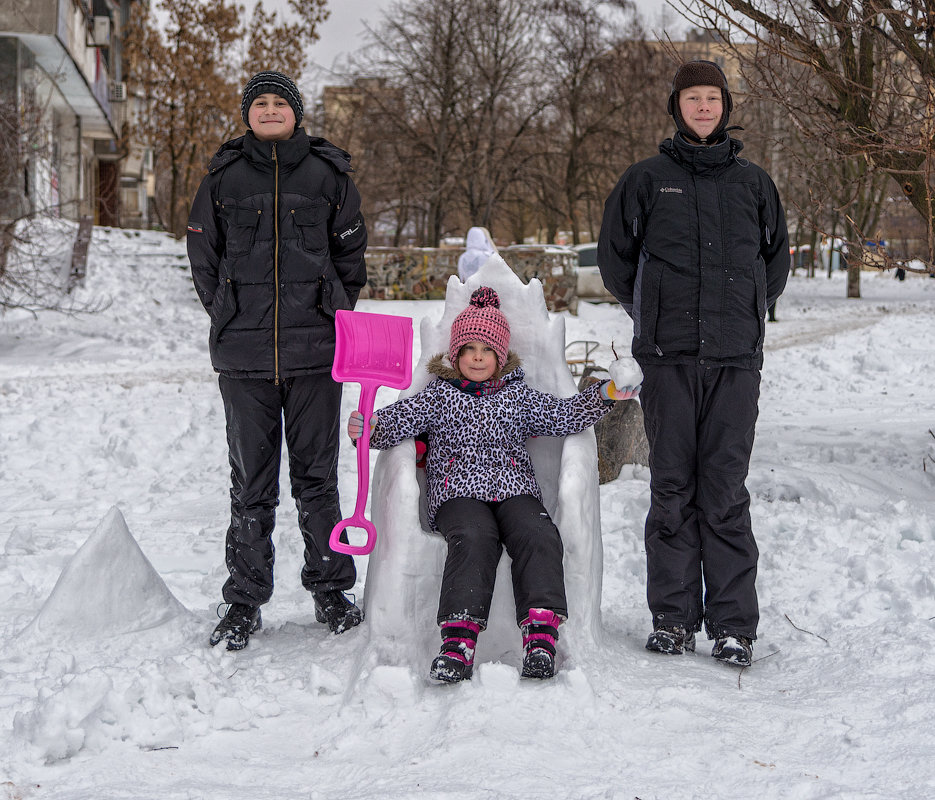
[{"x": 482, "y": 491}]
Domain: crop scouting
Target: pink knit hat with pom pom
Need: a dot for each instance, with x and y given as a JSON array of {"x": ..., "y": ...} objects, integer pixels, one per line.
[{"x": 481, "y": 321}]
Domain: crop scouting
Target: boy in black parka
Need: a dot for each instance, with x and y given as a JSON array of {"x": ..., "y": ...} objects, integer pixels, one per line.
[
  {"x": 276, "y": 242},
  {"x": 694, "y": 246}
]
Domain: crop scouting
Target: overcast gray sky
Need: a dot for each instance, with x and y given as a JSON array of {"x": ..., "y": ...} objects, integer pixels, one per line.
[{"x": 342, "y": 32}]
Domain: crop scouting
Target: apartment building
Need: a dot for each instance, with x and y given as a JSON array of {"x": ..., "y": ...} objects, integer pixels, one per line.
[{"x": 64, "y": 146}]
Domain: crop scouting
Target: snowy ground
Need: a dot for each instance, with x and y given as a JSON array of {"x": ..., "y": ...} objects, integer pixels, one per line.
[{"x": 121, "y": 410}]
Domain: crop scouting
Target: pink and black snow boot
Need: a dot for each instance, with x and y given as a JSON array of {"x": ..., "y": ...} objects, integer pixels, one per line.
[
  {"x": 540, "y": 632},
  {"x": 455, "y": 661}
]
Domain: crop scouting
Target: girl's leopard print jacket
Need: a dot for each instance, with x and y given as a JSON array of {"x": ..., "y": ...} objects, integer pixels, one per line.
[{"x": 477, "y": 445}]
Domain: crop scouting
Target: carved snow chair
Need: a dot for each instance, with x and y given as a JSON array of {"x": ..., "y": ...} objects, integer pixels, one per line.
[{"x": 405, "y": 569}]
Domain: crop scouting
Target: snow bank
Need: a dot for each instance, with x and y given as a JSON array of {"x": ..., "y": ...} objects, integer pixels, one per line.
[{"x": 122, "y": 409}]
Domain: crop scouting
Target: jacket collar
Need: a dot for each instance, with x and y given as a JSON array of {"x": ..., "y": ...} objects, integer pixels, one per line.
[
  {"x": 289, "y": 152},
  {"x": 701, "y": 158}
]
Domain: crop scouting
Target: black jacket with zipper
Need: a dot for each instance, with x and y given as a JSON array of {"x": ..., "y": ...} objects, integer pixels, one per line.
[
  {"x": 276, "y": 242},
  {"x": 694, "y": 245}
]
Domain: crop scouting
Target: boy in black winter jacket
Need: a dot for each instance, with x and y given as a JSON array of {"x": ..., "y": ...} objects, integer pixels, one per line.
[
  {"x": 276, "y": 242},
  {"x": 694, "y": 246}
]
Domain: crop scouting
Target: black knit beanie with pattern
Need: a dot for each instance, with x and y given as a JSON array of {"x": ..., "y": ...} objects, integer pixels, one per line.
[
  {"x": 273, "y": 83},
  {"x": 700, "y": 73}
]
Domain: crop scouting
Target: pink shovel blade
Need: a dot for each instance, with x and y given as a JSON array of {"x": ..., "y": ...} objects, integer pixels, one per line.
[{"x": 373, "y": 350}]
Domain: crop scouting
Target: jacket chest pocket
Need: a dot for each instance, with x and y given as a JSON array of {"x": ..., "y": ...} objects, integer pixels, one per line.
[
  {"x": 742, "y": 224},
  {"x": 312, "y": 225},
  {"x": 672, "y": 222},
  {"x": 242, "y": 224}
]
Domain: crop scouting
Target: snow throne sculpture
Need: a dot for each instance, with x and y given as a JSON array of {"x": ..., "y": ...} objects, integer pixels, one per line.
[{"x": 405, "y": 569}]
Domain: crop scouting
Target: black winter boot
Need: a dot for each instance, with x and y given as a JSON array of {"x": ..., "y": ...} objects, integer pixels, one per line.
[
  {"x": 737, "y": 650},
  {"x": 237, "y": 625},
  {"x": 673, "y": 640},
  {"x": 335, "y": 609}
]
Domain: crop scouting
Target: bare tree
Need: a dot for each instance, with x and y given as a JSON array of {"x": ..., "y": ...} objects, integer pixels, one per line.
[
  {"x": 363, "y": 118},
  {"x": 460, "y": 92},
  {"x": 418, "y": 54},
  {"x": 504, "y": 94},
  {"x": 857, "y": 75},
  {"x": 607, "y": 89},
  {"x": 574, "y": 56},
  {"x": 541, "y": 197}
]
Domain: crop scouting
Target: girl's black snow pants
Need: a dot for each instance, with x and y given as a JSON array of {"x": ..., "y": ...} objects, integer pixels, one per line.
[
  {"x": 477, "y": 532},
  {"x": 701, "y": 556},
  {"x": 310, "y": 406}
]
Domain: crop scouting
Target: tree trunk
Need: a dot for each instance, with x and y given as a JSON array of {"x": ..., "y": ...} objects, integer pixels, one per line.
[
  {"x": 621, "y": 437},
  {"x": 853, "y": 278}
]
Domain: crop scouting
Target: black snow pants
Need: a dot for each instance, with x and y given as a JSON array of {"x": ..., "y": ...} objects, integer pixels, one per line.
[
  {"x": 700, "y": 424},
  {"x": 255, "y": 410},
  {"x": 477, "y": 532}
]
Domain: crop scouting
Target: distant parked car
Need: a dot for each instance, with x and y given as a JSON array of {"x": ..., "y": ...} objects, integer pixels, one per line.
[{"x": 590, "y": 285}]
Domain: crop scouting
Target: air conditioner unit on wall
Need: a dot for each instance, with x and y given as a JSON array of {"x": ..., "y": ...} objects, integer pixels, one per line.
[
  {"x": 100, "y": 32},
  {"x": 118, "y": 92}
]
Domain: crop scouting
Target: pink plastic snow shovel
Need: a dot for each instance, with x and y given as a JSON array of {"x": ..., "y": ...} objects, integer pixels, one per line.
[{"x": 373, "y": 350}]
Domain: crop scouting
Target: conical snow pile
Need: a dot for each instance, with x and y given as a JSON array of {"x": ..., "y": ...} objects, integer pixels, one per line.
[{"x": 108, "y": 587}]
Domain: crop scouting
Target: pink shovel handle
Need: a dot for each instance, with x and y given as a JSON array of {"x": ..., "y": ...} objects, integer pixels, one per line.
[
  {"x": 357, "y": 522},
  {"x": 368, "y": 393}
]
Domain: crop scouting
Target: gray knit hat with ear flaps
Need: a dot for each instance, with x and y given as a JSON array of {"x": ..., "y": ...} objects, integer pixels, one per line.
[
  {"x": 700, "y": 73},
  {"x": 273, "y": 83}
]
